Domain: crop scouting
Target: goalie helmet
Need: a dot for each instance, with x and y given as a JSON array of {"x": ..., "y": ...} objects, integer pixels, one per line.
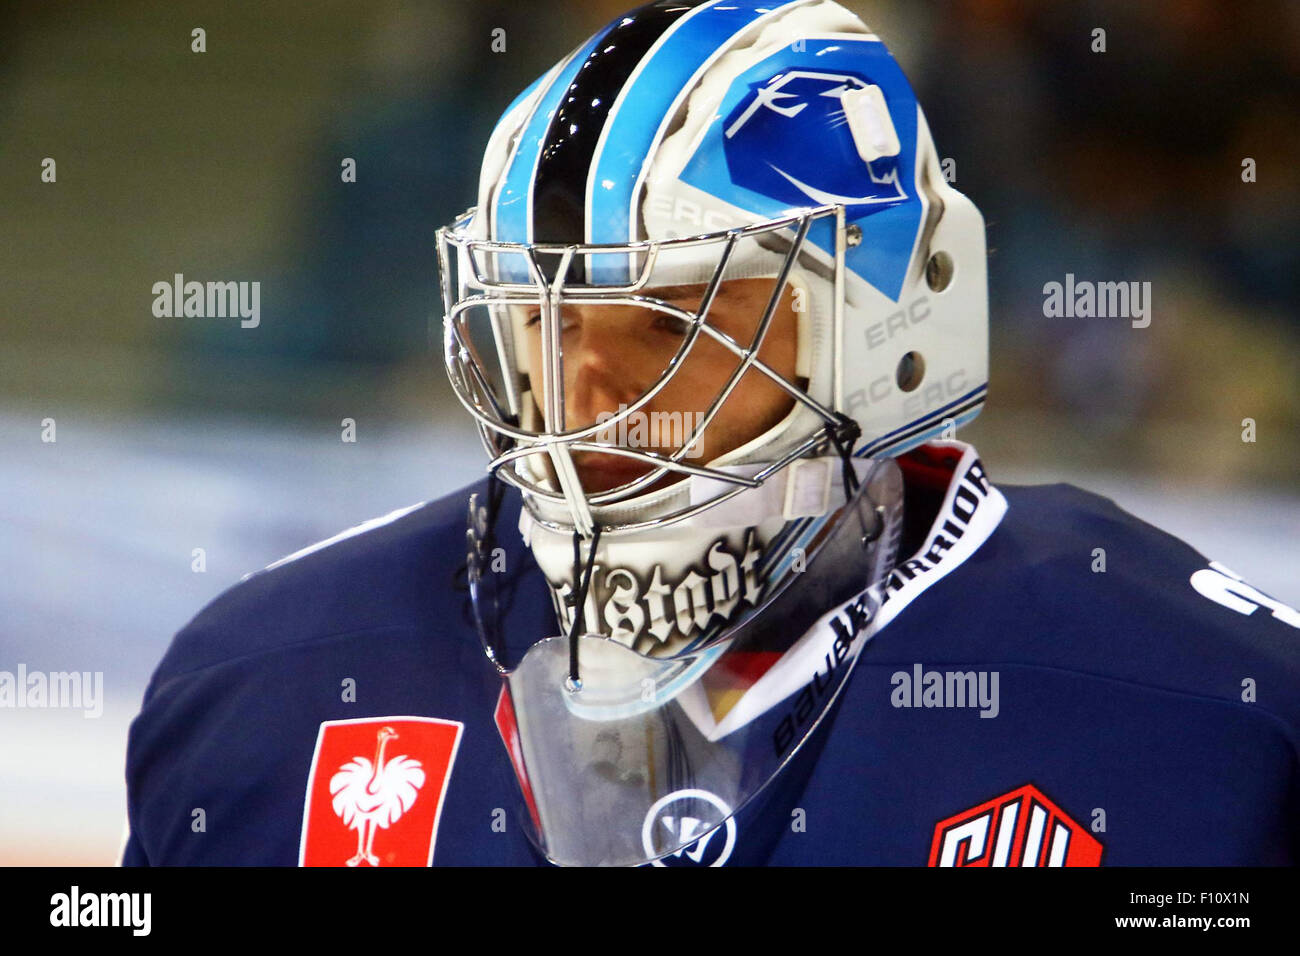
[{"x": 732, "y": 175}]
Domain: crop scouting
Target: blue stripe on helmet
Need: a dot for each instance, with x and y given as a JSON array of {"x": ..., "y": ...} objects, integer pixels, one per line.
[
  {"x": 514, "y": 104},
  {"x": 513, "y": 202},
  {"x": 505, "y": 115},
  {"x": 632, "y": 127}
]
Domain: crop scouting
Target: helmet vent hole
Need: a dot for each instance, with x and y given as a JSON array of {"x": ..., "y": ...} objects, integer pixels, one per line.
[
  {"x": 911, "y": 369},
  {"x": 938, "y": 271}
]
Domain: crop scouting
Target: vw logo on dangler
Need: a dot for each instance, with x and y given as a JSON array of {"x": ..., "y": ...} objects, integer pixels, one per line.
[{"x": 677, "y": 817}]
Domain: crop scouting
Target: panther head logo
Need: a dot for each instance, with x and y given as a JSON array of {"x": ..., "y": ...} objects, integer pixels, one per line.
[{"x": 768, "y": 141}]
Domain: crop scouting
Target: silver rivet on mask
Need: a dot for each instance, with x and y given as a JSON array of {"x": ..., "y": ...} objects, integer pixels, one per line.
[{"x": 853, "y": 235}]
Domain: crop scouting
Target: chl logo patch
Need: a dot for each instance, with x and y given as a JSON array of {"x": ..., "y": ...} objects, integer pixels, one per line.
[
  {"x": 1020, "y": 828},
  {"x": 375, "y": 791}
]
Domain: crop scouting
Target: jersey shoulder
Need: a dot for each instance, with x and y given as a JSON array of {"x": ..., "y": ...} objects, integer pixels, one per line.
[
  {"x": 370, "y": 622},
  {"x": 1071, "y": 580},
  {"x": 395, "y": 570}
]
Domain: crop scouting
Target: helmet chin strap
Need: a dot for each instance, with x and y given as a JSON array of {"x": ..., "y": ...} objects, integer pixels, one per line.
[
  {"x": 844, "y": 435},
  {"x": 577, "y": 601}
]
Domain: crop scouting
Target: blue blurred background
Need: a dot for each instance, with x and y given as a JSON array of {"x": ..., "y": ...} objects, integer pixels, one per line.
[{"x": 177, "y": 434}]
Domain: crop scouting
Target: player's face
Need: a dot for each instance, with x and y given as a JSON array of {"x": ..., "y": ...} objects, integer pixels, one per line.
[{"x": 614, "y": 354}]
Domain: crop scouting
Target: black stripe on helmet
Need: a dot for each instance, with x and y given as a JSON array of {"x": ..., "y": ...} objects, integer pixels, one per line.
[{"x": 560, "y": 183}]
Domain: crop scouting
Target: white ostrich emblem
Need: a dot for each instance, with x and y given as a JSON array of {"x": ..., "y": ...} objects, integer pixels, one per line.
[{"x": 369, "y": 795}]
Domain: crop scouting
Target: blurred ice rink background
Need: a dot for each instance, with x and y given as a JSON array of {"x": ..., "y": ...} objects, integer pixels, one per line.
[{"x": 193, "y": 433}]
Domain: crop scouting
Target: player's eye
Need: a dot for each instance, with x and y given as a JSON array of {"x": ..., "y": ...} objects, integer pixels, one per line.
[
  {"x": 670, "y": 323},
  {"x": 534, "y": 321}
]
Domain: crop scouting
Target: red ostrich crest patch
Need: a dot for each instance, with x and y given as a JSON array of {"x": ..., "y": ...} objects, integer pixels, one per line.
[{"x": 375, "y": 791}]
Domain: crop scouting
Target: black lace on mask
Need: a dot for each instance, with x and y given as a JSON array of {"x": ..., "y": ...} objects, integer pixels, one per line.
[{"x": 576, "y": 599}]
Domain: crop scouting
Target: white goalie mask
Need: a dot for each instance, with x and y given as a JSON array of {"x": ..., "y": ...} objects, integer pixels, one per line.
[{"x": 714, "y": 281}]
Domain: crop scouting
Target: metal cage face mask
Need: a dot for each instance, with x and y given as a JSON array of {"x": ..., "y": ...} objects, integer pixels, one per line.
[{"x": 508, "y": 310}]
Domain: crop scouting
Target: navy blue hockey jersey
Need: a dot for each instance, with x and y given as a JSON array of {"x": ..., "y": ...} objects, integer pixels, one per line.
[{"x": 1050, "y": 682}]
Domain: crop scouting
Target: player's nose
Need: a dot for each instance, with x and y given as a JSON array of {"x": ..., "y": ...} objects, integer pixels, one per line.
[{"x": 601, "y": 371}]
